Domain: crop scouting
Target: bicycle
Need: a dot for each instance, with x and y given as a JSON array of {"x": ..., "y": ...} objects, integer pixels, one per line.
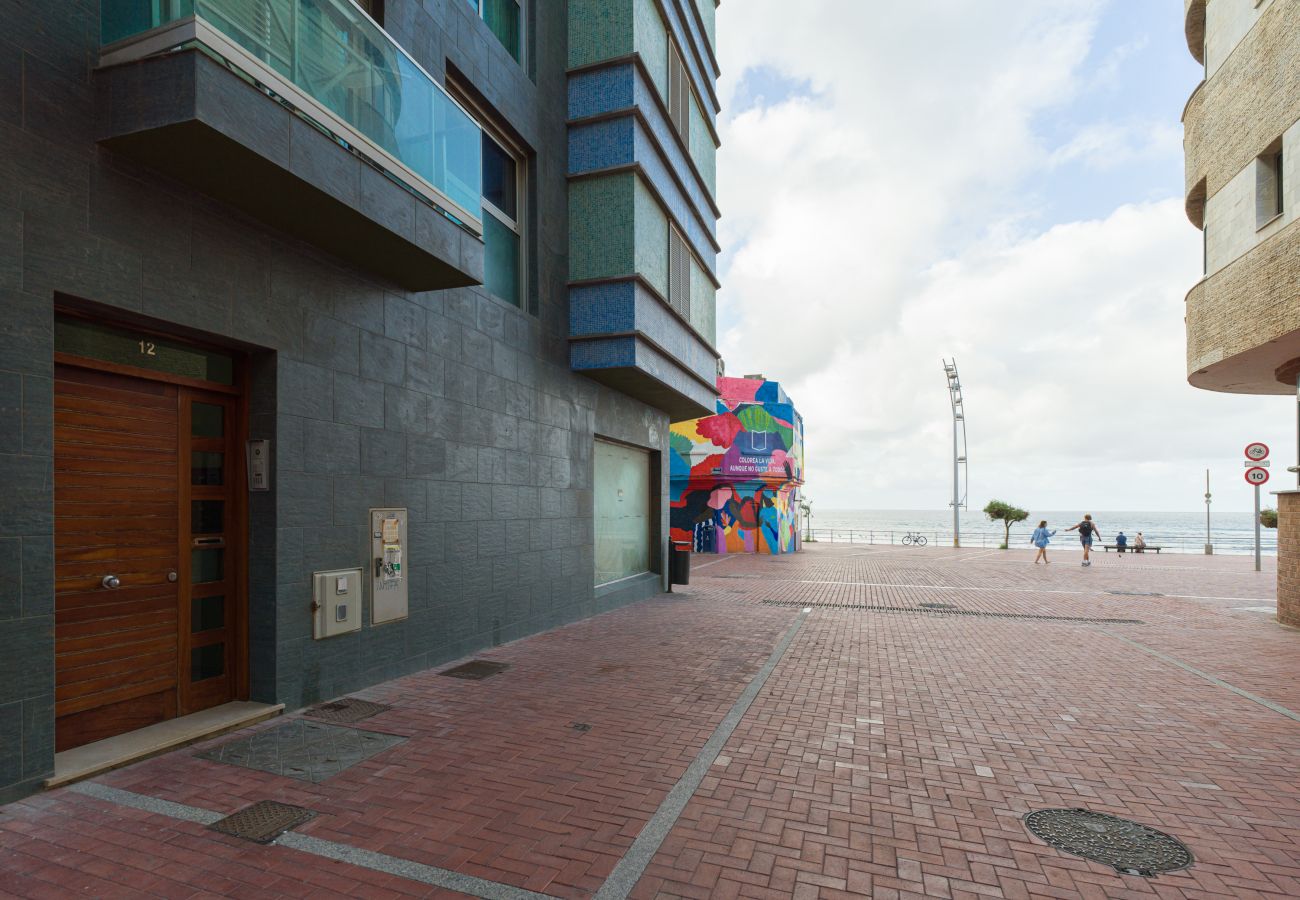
[{"x": 914, "y": 538}]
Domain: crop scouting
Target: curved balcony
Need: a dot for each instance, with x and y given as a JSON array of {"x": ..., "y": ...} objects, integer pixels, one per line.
[
  {"x": 1195, "y": 147},
  {"x": 1243, "y": 322},
  {"x": 1235, "y": 114},
  {"x": 1194, "y": 28},
  {"x": 1195, "y": 204}
]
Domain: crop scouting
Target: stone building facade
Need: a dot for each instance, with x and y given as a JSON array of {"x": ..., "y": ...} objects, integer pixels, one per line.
[
  {"x": 386, "y": 253},
  {"x": 1242, "y": 141}
]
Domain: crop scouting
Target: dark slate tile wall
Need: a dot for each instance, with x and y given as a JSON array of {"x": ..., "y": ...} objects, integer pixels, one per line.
[{"x": 451, "y": 404}]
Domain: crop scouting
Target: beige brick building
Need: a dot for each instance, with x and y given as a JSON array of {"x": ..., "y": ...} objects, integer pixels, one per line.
[{"x": 1242, "y": 142}]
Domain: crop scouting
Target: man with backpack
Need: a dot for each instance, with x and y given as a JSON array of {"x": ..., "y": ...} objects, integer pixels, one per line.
[{"x": 1087, "y": 533}]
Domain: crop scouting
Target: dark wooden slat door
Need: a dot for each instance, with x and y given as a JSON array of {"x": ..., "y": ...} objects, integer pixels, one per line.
[{"x": 117, "y": 501}]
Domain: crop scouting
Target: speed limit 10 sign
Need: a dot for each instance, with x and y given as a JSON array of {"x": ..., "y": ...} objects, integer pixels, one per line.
[
  {"x": 1256, "y": 451},
  {"x": 1256, "y": 476}
]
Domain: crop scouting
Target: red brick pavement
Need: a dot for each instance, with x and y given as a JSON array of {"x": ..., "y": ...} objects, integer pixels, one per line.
[{"x": 889, "y": 754}]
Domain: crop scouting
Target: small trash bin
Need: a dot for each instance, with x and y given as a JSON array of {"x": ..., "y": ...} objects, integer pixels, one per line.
[{"x": 679, "y": 562}]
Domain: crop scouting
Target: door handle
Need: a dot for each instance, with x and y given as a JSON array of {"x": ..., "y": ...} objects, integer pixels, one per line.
[{"x": 111, "y": 582}]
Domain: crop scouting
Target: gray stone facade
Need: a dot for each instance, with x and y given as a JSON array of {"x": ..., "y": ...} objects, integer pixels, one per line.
[{"x": 451, "y": 403}]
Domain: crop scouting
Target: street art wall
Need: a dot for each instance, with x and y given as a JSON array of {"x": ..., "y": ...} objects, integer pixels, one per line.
[{"x": 735, "y": 476}]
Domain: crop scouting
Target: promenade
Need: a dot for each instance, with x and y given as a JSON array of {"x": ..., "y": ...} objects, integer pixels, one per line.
[{"x": 848, "y": 721}]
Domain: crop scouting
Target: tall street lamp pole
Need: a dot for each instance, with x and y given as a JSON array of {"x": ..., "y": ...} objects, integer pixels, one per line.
[
  {"x": 1209, "y": 547},
  {"x": 958, "y": 451}
]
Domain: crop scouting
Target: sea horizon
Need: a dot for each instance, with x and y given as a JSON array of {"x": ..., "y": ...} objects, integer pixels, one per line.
[{"x": 1231, "y": 532}]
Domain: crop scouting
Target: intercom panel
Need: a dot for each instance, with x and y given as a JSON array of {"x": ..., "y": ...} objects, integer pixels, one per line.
[{"x": 388, "y": 565}]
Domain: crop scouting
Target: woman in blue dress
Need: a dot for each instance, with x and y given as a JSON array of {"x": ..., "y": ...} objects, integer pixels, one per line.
[{"x": 1041, "y": 538}]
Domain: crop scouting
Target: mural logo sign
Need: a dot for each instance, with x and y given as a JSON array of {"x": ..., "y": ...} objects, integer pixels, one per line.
[{"x": 735, "y": 474}]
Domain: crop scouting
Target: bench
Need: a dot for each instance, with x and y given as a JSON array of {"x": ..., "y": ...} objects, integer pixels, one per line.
[{"x": 1149, "y": 548}]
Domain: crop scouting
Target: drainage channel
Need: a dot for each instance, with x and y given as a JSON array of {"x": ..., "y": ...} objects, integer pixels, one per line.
[{"x": 936, "y": 609}]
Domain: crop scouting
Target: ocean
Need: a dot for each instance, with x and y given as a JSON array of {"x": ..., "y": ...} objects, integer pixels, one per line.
[{"x": 1176, "y": 532}]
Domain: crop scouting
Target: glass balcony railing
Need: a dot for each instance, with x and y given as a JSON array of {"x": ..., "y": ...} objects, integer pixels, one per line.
[{"x": 334, "y": 54}]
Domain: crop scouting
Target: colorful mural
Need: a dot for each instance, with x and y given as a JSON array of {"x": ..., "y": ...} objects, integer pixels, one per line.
[{"x": 735, "y": 476}]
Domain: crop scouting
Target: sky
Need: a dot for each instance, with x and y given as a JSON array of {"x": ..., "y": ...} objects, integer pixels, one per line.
[{"x": 999, "y": 181}]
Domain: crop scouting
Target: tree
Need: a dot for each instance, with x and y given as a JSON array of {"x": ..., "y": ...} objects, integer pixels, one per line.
[
  {"x": 1008, "y": 515},
  {"x": 1268, "y": 518}
]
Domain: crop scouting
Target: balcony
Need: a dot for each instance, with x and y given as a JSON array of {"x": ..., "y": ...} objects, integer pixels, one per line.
[
  {"x": 307, "y": 116},
  {"x": 1243, "y": 322}
]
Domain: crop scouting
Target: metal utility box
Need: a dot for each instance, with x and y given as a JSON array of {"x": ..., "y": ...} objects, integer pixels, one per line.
[
  {"x": 388, "y": 566},
  {"x": 336, "y": 602}
]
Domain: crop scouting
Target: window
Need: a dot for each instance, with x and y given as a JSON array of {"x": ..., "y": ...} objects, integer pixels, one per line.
[
  {"x": 679, "y": 274},
  {"x": 504, "y": 200},
  {"x": 502, "y": 217},
  {"x": 1269, "y": 197},
  {"x": 679, "y": 94},
  {"x": 624, "y": 511},
  {"x": 505, "y": 19},
  {"x": 374, "y": 8}
]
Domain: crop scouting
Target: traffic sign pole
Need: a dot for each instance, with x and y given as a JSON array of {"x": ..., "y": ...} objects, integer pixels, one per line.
[
  {"x": 1256, "y": 528},
  {"x": 1257, "y": 475}
]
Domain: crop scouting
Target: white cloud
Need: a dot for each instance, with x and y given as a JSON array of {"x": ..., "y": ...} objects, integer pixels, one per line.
[
  {"x": 1104, "y": 146},
  {"x": 876, "y": 224}
]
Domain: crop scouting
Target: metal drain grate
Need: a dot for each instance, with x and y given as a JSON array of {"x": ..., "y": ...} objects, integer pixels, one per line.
[
  {"x": 263, "y": 822},
  {"x": 346, "y": 711},
  {"x": 973, "y": 613},
  {"x": 938, "y": 606},
  {"x": 1136, "y": 593},
  {"x": 476, "y": 670},
  {"x": 1128, "y": 847}
]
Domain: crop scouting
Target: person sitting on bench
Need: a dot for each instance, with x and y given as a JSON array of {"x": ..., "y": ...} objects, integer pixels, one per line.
[
  {"x": 1121, "y": 543},
  {"x": 1139, "y": 543}
]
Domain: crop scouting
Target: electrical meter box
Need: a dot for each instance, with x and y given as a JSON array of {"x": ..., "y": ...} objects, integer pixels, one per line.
[
  {"x": 388, "y": 565},
  {"x": 336, "y": 602}
]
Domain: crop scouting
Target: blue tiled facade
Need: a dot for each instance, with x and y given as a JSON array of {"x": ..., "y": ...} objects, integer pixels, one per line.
[
  {"x": 636, "y": 325},
  {"x": 605, "y": 143}
]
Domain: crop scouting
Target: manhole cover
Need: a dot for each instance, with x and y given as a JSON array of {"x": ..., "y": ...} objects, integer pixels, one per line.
[
  {"x": 1128, "y": 847},
  {"x": 476, "y": 670},
  {"x": 302, "y": 748},
  {"x": 345, "y": 711},
  {"x": 263, "y": 822},
  {"x": 937, "y": 606}
]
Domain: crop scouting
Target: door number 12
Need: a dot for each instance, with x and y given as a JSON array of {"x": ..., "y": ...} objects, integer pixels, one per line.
[{"x": 147, "y": 348}]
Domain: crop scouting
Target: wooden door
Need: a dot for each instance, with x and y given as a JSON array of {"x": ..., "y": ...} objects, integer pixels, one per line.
[
  {"x": 116, "y": 496},
  {"x": 148, "y": 552}
]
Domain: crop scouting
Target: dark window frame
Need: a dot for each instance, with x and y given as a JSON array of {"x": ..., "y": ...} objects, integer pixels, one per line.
[
  {"x": 480, "y": 9},
  {"x": 513, "y": 147}
]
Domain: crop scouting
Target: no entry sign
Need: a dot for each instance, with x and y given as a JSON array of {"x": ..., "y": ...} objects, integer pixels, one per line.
[
  {"x": 1256, "y": 452},
  {"x": 1256, "y": 476}
]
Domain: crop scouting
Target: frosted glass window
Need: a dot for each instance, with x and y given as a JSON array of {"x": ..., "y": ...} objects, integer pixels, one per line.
[{"x": 623, "y": 526}]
